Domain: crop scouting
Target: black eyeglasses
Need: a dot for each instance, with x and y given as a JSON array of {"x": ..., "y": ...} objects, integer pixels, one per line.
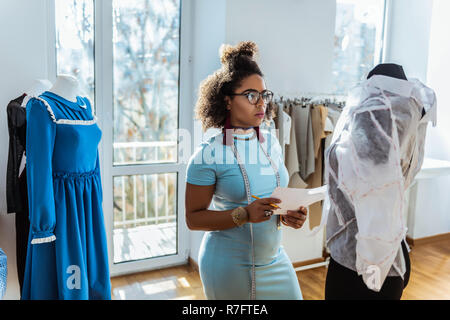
[{"x": 253, "y": 96}]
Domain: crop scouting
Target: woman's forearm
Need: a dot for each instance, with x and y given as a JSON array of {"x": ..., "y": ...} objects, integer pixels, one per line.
[{"x": 210, "y": 220}]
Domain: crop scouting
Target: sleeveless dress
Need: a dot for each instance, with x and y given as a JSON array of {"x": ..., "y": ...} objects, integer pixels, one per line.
[
  {"x": 229, "y": 261},
  {"x": 67, "y": 254}
]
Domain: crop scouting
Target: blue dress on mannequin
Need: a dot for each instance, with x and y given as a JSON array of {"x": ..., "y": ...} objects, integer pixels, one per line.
[
  {"x": 225, "y": 257},
  {"x": 67, "y": 253}
]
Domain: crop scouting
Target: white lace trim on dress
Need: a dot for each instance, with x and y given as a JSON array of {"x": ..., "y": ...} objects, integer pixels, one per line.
[
  {"x": 66, "y": 121},
  {"x": 43, "y": 240}
]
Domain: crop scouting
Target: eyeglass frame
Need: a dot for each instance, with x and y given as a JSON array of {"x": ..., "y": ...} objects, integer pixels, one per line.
[{"x": 246, "y": 92}]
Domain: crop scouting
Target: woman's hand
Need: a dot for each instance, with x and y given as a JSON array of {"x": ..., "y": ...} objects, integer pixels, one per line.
[
  {"x": 258, "y": 210},
  {"x": 295, "y": 219}
]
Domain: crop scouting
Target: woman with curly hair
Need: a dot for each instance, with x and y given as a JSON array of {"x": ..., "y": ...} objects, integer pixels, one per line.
[{"x": 241, "y": 256}]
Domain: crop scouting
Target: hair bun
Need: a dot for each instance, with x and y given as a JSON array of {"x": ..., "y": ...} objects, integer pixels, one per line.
[{"x": 245, "y": 48}]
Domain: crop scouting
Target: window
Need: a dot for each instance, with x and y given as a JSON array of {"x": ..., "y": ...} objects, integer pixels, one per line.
[
  {"x": 146, "y": 49},
  {"x": 144, "y": 216},
  {"x": 357, "y": 41},
  {"x": 75, "y": 42},
  {"x": 145, "y": 123},
  {"x": 140, "y": 95}
]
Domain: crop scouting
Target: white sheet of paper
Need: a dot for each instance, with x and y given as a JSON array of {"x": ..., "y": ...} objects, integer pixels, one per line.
[{"x": 294, "y": 198}]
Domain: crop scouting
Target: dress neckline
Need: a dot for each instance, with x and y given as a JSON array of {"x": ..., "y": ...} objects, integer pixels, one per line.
[
  {"x": 80, "y": 105},
  {"x": 242, "y": 136},
  {"x": 245, "y": 136}
]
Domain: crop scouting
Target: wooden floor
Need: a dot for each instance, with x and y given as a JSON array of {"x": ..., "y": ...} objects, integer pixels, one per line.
[{"x": 430, "y": 279}]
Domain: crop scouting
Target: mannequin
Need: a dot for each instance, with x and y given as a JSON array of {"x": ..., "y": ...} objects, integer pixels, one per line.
[
  {"x": 388, "y": 69},
  {"x": 66, "y": 86},
  {"x": 363, "y": 135},
  {"x": 66, "y": 246},
  {"x": 38, "y": 87},
  {"x": 395, "y": 71},
  {"x": 391, "y": 70}
]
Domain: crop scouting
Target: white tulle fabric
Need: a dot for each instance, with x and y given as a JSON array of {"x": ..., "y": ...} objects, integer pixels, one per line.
[{"x": 376, "y": 151}]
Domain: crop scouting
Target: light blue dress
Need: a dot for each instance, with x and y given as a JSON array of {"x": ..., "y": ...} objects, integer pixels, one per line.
[
  {"x": 67, "y": 252},
  {"x": 225, "y": 258}
]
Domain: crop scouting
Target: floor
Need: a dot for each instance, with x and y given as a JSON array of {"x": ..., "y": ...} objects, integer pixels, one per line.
[
  {"x": 144, "y": 242},
  {"x": 430, "y": 279}
]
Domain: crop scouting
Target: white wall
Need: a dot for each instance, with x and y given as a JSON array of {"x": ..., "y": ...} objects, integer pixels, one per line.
[
  {"x": 432, "y": 209},
  {"x": 295, "y": 39},
  {"x": 438, "y": 142},
  {"x": 23, "y": 58},
  {"x": 431, "y": 212},
  {"x": 418, "y": 40},
  {"x": 409, "y": 35}
]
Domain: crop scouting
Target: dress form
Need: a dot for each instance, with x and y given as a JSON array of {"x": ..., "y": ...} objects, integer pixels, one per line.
[
  {"x": 391, "y": 70},
  {"x": 66, "y": 86},
  {"x": 38, "y": 86},
  {"x": 388, "y": 69},
  {"x": 62, "y": 159}
]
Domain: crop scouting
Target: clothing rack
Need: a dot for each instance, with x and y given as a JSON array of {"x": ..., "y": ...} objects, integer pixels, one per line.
[{"x": 333, "y": 101}]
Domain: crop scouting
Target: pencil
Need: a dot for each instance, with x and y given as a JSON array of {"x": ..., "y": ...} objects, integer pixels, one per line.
[{"x": 273, "y": 205}]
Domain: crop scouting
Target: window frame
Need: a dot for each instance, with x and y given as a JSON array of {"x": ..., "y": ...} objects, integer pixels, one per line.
[{"x": 387, "y": 27}]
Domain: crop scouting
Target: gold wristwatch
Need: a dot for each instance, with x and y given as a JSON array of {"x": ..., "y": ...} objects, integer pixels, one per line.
[{"x": 240, "y": 216}]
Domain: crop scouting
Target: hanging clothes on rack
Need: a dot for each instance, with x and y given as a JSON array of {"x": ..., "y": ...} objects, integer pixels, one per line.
[
  {"x": 283, "y": 125},
  {"x": 311, "y": 127},
  {"x": 315, "y": 180},
  {"x": 287, "y": 124},
  {"x": 333, "y": 116},
  {"x": 304, "y": 137}
]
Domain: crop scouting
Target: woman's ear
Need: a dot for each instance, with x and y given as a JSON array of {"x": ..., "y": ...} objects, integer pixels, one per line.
[{"x": 228, "y": 102}]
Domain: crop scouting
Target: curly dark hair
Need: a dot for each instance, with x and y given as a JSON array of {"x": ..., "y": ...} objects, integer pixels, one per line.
[{"x": 238, "y": 63}]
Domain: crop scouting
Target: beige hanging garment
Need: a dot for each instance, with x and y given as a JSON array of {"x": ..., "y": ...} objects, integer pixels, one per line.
[
  {"x": 292, "y": 151},
  {"x": 318, "y": 120}
]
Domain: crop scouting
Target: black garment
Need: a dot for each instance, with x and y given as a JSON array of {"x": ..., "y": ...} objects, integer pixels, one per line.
[
  {"x": 345, "y": 284},
  {"x": 17, "y": 128},
  {"x": 16, "y": 187},
  {"x": 407, "y": 265},
  {"x": 22, "y": 230}
]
